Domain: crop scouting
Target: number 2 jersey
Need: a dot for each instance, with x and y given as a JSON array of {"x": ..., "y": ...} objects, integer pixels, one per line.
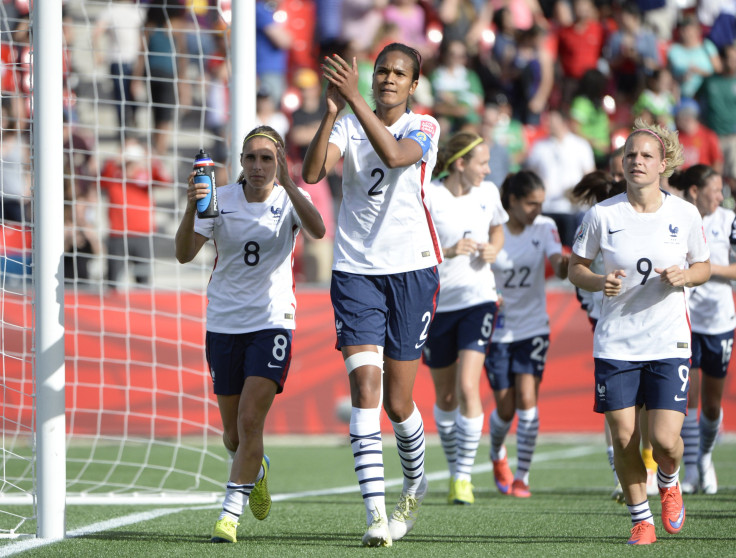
[
  {"x": 711, "y": 304},
  {"x": 252, "y": 283},
  {"x": 648, "y": 320},
  {"x": 384, "y": 226},
  {"x": 519, "y": 272}
]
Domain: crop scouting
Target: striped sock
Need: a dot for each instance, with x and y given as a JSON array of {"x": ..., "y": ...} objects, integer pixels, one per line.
[
  {"x": 367, "y": 446},
  {"x": 469, "y": 431},
  {"x": 708, "y": 434},
  {"x": 640, "y": 512},
  {"x": 236, "y": 496},
  {"x": 691, "y": 438},
  {"x": 445, "y": 422},
  {"x": 499, "y": 430},
  {"x": 526, "y": 439},
  {"x": 410, "y": 443},
  {"x": 667, "y": 481}
]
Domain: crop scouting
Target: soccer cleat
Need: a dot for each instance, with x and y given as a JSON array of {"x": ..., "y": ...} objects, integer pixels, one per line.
[
  {"x": 673, "y": 509},
  {"x": 463, "y": 492},
  {"x": 689, "y": 484},
  {"x": 260, "y": 499},
  {"x": 643, "y": 533},
  {"x": 405, "y": 514},
  {"x": 520, "y": 489},
  {"x": 618, "y": 494},
  {"x": 225, "y": 531},
  {"x": 378, "y": 533},
  {"x": 502, "y": 475},
  {"x": 708, "y": 480},
  {"x": 451, "y": 493},
  {"x": 652, "y": 488}
]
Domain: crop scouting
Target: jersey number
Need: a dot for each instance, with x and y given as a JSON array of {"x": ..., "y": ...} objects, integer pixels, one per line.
[
  {"x": 539, "y": 353},
  {"x": 380, "y": 174},
  {"x": 251, "y": 256},
  {"x": 523, "y": 276},
  {"x": 644, "y": 266},
  {"x": 727, "y": 347}
]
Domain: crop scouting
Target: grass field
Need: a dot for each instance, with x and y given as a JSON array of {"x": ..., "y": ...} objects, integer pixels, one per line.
[{"x": 317, "y": 511}]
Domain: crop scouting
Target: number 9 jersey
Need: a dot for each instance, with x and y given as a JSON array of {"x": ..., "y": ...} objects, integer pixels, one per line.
[
  {"x": 648, "y": 320},
  {"x": 384, "y": 226},
  {"x": 252, "y": 282}
]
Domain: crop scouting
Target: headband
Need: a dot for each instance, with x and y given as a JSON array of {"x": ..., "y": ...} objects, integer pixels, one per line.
[
  {"x": 648, "y": 131},
  {"x": 464, "y": 151},
  {"x": 260, "y": 134}
]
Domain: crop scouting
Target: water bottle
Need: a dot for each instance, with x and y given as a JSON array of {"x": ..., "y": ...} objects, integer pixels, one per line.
[{"x": 205, "y": 167}]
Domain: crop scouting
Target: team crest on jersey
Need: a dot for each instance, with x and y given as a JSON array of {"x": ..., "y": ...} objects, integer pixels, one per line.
[
  {"x": 276, "y": 212},
  {"x": 535, "y": 242},
  {"x": 582, "y": 230},
  {"x": 428, "y": 127},
  {"x": 674, "y": 230}
]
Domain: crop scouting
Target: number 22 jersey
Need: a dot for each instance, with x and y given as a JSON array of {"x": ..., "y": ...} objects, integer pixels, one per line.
[{"x": 648, "y": 320}]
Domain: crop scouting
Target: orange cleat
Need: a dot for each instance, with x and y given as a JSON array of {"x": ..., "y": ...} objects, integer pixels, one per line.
[
  {"x": 643, "y": 533},
  {"x": 502, "y": 475},
  {"x": 519, "y": 489},
  {"x": 673, "y": 509}
]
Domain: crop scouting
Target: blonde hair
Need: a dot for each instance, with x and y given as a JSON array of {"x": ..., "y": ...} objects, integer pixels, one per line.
[
  {"x": 261, "y": 131},
  {"x": 668, "y": 141}
]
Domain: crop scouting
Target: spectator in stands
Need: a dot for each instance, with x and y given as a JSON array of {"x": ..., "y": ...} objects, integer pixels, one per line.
[
  {"x": 121, "y": 24},
  {"x": 268, "y": 112},
  {"x": 507, "y": 131},
  {"x": 723, "y": 31},
  {"x": 588, "y": 116},
  {"x": 499, "y": 156},
  {"x": 699, "y": 143},
  {"x": 579, "y": 45},
  {"x": 128, "y": 182},
  {"x": 534, "y": 76},
  {"x": 463, "y": 21},
  {"x": 361, "y": 20},
  {"x": 691, "y": 58},
  {"x": 718, "y": 95},
  {"x": 411, "y": 20},
  {"x": 164, "y": 38},
  {"x": 81, "y": 243},
  {"x": 561, "y": 160},
  {"x": 656, "y": 104},
  {"x": 273, "y": 41},
  {"x": 631, "y": 52}
]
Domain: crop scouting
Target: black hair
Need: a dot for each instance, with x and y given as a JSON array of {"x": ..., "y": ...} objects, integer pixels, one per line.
[
  {"x": 519, "y": 184},
  {"x": 413, "y": 54},
  {"x": 597, "y": 186},
  {"x": 697, "y": 175}
]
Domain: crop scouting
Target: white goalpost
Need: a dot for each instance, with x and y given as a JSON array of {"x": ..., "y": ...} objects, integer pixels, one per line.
[{"x": 106, "y": 397}]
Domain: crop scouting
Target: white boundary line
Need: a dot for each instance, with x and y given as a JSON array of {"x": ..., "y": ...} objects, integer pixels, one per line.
[{"x": 140, "y": 517}]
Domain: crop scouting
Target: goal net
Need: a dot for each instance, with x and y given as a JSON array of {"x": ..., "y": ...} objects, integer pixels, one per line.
[{"x": 144, "y": 89}]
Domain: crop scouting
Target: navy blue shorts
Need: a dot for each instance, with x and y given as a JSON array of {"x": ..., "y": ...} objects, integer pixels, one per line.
[
  {"x": 232, "y": 357},
  {"x": 391, "y": 311},
  {"x": 468, "y": 329},
  {"x": 712, "y": 353},
  {"x": 658, "y": 384},
  {"x": 518, "y": 357}
]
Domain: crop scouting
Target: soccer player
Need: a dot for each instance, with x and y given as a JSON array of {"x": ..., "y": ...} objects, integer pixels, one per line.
[
  {"x": 384, "y": 273},
  {"x": 469, "y": 218},
  {"x": 518, "y": 349},
  {"x": 250, "y": 306},
  {"x": 713, "y": 320},
  {"x": 642, "y": 340}
]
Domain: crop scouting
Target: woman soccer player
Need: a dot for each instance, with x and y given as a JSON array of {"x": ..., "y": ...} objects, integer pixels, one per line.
[
  {"x": 469, "y": 218},
  {"x": 641, "y": 343},
  {"x": 250, "y": 308},
  {"x": 713, "y": 320},
  {"x": 518, "y": 349},
  {"x": 384, "y": 280}
]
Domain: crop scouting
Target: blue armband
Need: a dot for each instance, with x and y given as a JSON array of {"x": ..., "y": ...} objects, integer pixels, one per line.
[{"x": 422, "y": 139}]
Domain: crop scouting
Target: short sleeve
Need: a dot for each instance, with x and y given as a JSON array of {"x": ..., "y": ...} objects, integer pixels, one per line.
[
  {"x": 588, "y": 238},
  {"x": 552, "y": 244},
  {"x": 697, "y": 248},
  {"x": 339, "y": 135}
]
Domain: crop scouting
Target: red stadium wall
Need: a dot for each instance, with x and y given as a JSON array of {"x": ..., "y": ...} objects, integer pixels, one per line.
[{"x": 143, "y": 341}]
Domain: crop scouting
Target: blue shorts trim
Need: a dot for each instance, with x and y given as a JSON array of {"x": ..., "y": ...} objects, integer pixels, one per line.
[
  {"x": 712, "y": 353},
  {"x": 232, "y": 357},
  {"x": 658, "y": 384},
  {"x": 504, "y": 360},
  {"x": 468, "y": 329},
  {"x": 391, "y": 311}
]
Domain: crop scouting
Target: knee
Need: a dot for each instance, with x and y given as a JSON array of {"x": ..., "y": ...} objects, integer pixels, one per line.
[
  {"x": 230, "y": 437},
  {"x": 710, "y": 410},
  {"x": 398, "y": 409}
]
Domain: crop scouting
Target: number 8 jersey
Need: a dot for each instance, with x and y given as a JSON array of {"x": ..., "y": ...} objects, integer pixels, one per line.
[
  {"x": 648, "y": 320},
  {"x": 252, "y": 283},
  {"x": 384, "y": 226}
]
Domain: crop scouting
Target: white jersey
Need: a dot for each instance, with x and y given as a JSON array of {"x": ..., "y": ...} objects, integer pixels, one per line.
[
  {"x": 383, "y": 226},
  {"x": 252, "y": 283},
  {"x": 711, "y": 304},
  {"x": 465, "y": 280},
  {"x": 519, "y": 271},
  {"x": 648, "y": 320}
]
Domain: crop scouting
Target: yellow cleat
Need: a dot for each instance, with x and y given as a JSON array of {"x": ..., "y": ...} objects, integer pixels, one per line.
[
  {"x": 260, "y": 499},
  {"x": 225, "y": 531}
]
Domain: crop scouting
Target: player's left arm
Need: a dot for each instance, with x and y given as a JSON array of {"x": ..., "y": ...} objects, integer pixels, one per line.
[
  {"x": 697, "y": 274},
  {"x": 311, "y": 219},
  {"x": 489, "y": 250}
]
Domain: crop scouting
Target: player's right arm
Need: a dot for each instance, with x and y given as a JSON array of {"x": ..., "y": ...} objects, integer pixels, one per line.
[
  {"x": 322, "y": 156},
  {"x": 582, "y": 276},
  {"x": 187, "y": 242}
]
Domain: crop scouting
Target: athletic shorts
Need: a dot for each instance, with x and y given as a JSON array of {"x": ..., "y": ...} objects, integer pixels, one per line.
[
  {"x": 391, "y": 311},
  {"x": 468, "y": 329},
  {"x": 232, "y": 357},
  {"x": 712, "y": 353},
  {"x": 658, "y": 384},
  {"x": 518, "y": 357}
]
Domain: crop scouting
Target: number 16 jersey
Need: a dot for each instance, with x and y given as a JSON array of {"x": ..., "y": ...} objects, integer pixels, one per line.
[{"x": 648, "y": 320}]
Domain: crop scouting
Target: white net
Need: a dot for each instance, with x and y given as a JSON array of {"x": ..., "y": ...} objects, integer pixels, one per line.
[{"x": 145, "y": 87}]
